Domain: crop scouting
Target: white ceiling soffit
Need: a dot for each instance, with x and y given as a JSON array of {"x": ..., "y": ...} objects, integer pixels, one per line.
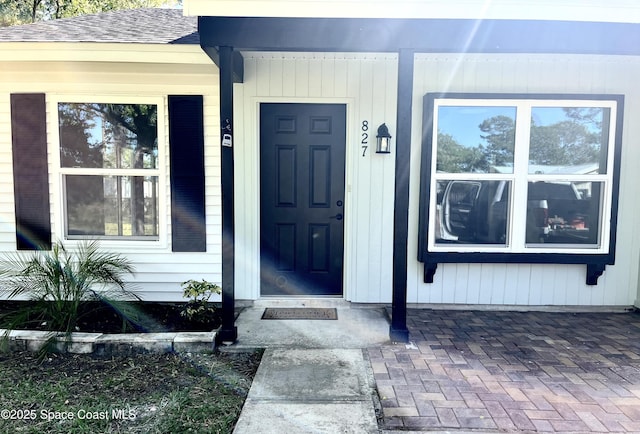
[{"x": 616, "y": 11}]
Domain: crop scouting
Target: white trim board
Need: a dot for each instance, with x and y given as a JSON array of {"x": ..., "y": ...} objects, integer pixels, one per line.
[{"x": 615, "y": 11}]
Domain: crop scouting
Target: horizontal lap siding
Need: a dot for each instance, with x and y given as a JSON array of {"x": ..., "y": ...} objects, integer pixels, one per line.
[
  {"x": 525, "y": 284},
  {"x": 159, "y": 272},
  {"x": 7, "y": 205},
  {"x": 367, "y": 84}
]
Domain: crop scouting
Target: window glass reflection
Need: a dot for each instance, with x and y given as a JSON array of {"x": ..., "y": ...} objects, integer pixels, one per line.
[
  {"x": 112, "y": 205},
  {"x": 475, "y": 139},
  {"x": 563, "y": 212},
  {"x": 115, "y": 136},
  {"x": 568, "y": 140},
  {"x": 472, "y": 212}
]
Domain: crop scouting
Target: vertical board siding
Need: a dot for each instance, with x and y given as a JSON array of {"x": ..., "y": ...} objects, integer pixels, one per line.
[
  {"x": 362, "y": 200},
  {"x": 629, "y": 205},
  {"x": 532, "y": 284},
  {"x": 159, "y": 272},
  {"x": 485, "y": 285},
  {"x": 370, "y": 83},
  {"x": 367, "y": 85}
]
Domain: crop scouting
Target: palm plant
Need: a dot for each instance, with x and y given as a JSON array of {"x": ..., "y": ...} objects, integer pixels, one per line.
[{"x": 58, "y": 282}]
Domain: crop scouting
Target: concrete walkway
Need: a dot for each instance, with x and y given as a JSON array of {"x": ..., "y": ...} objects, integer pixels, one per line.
[
  {"x": 310, "y": 391},
  {"x": 463, "y": 372},
  {"x": 315, "y": 376}
]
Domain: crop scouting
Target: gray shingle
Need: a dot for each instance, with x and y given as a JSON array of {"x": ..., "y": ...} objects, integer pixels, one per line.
[{"x": 146, "y": 26}]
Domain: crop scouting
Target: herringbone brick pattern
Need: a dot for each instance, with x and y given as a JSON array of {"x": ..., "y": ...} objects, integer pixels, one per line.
[{"x": 512, "y": 372}]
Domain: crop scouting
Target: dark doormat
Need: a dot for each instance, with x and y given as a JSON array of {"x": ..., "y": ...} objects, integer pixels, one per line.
[{"x": 300, "y": 313}]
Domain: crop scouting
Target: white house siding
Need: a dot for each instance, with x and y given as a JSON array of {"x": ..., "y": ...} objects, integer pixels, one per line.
[
  {"x": 367, "y": 84},
  {"x": 7, "y": 220},
  {"x": 159, "y": 272},
  {"x": 524, "y": 284}
]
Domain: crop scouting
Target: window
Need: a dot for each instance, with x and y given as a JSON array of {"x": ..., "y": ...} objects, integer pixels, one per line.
[
  {"x": 520, "y": 175},
  {"x": 110, "y": 170}
]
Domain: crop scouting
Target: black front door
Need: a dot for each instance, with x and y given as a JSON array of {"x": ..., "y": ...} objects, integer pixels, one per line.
[{"x": 302, "y": 159}]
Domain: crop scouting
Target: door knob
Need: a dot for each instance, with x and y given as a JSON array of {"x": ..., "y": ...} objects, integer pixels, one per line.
[{"x": 337, "y": 216}]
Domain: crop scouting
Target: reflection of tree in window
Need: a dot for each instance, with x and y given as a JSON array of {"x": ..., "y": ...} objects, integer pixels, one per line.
[
  {"x": 501, "y": 136},
  {"x": 455, "y": 158},
  {"x": 135, "y": 126},
  {"x": 573, "y": 140},
  {"x": 111, "y": 136},
  {"x": 76, "y": 146}
]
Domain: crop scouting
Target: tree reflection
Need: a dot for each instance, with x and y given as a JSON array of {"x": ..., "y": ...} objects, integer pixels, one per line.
[
  {"x": 500, "y": 134},
  {"x": 573, "y": 139},
  {"x": 114, "y": 136}
]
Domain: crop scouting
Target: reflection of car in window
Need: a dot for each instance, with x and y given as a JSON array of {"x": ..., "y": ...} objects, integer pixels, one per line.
[
  {"x": 477, "y": 212},
  {"x": 557, "y": 213},
  {"x": 472, "y": 211}
]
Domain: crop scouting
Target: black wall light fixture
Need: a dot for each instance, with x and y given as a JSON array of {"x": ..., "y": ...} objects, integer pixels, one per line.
[{"x": 383, "y": 145}]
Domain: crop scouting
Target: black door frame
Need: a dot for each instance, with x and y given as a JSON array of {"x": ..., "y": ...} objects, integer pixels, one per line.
[{"x": 346, "y": 213}]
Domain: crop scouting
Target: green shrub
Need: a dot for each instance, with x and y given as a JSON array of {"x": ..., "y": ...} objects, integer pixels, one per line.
[{"x": 198, "y": 309}]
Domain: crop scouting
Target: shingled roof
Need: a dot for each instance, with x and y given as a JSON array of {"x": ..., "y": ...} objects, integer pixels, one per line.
[{"x": 141, "y": 26}]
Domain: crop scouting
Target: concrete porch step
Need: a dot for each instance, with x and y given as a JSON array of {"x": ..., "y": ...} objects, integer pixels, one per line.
[{"x": 301, "y": 302}]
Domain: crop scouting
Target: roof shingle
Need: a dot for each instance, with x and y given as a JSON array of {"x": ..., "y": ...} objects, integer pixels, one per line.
[{"x": 142, "y": 26}]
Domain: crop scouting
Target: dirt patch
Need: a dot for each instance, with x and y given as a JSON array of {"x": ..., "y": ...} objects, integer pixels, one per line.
[{"x": 100, "y": 318}]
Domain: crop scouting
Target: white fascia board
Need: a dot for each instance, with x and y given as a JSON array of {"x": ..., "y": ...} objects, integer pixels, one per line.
[
  {"x": 615, "y": 11},
  {"x": 102, "y": 52}
]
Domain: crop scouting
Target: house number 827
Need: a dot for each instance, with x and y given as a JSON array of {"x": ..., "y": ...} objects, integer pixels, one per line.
[{"x": 365, "y": 137}]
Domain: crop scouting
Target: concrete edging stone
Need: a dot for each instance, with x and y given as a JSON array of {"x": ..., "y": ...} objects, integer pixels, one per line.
[{"x": 111, "y": 344}]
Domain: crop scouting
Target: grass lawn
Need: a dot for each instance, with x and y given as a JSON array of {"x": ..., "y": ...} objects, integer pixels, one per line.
[{"x": 150, "y": 393}]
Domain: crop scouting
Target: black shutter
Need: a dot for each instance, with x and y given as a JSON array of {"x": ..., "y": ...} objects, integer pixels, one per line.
[
  {"x": 186, "y": 148},
  {"x": 30, "y": 171}
]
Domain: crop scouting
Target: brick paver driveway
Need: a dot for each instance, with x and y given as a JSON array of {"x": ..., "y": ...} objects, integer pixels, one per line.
[{"x": 513, "y": 372}]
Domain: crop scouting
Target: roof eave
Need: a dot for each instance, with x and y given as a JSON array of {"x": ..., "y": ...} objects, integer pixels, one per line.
[
  {"x": 28, "y": 51},
  {"x": 419, "y": 35}
]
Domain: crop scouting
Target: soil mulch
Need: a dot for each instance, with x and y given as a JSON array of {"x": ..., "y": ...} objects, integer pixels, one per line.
[{"x": 100, "y": 318}]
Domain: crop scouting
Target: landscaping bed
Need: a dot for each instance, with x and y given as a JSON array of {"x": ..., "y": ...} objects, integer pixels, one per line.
[
  {"x": 144, "y": 393},
  {"x": 148, "y": 317}
]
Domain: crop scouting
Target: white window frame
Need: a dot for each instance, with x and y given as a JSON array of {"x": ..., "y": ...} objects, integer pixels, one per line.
[
  {"x": 516, "y": 228},
  {"x": 59, "y": 172}
]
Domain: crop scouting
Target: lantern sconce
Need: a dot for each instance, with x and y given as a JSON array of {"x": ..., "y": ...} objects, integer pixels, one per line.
[{"x": 383, "y": 145}]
